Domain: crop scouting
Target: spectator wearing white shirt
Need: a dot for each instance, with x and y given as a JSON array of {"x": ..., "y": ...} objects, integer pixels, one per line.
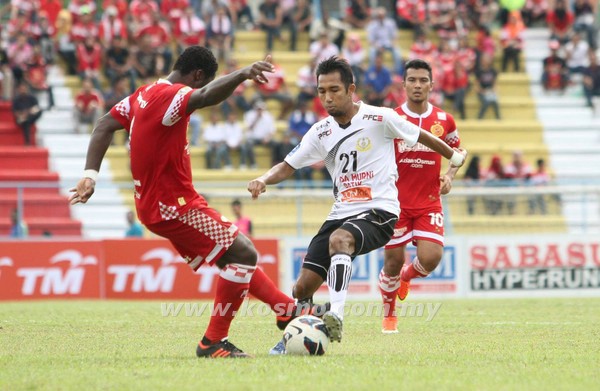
[
  {"x": 214, "y": 138},
  {"x": 234, "y": 138},
  {"x": 261, "y": 129},
  {"x": 381, "y": 33},
  {"x": 577, "y": 54},
  {"x": 355, "y": 54},
  {"x": 307, "y": 82},
  {"x": 323, "y": 48}
]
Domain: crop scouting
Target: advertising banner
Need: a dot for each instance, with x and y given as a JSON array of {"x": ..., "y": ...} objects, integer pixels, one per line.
[
  {"x": 49, "y": 269},
  {"x": 364, "y": 284},
  {"x": 114, "y": 269},
  {"x": 528, "y": 265}
]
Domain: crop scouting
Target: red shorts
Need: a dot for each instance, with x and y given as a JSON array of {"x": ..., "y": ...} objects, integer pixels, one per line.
[
  {"x": 418, "y": 224},
  {"x": 201, "y": 235}
]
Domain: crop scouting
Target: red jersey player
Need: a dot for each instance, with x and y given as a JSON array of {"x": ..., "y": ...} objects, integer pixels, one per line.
[
  {"x": 156, "y": 117},
  {"x": 419, "y": 187}
]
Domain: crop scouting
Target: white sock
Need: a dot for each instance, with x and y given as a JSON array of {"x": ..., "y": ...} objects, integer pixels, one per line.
[{"x": 338, "y": 280}]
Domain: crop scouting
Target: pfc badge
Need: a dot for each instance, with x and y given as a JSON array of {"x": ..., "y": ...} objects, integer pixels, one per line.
[
  {"x": 363, "y": 144},
  {"x": 437, "y": 130}
]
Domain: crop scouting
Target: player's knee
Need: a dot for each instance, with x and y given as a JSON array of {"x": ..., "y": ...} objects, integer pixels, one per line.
[
  {"x": 392, "y": 263},
  {"x": 341, "y": 241},
  {"x": 431, "y": 259}
]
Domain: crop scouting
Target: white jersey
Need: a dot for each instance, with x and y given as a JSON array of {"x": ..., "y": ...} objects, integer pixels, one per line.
[{"x": 359, "y": 158}]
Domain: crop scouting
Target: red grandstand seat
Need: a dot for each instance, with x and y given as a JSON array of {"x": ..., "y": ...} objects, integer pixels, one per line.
[
  {"x": 19, "y": 157},
  {"x": 37, "y": 205}
]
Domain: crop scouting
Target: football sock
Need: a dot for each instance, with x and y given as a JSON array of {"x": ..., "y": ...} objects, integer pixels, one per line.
[
  {"x": 388, "y": 286},
  {"x": 265, "y": 290},
  {"x": 232, "y": 288},
  {"x": 414, "y": 270},
  {"x": 338, "y": 279}
]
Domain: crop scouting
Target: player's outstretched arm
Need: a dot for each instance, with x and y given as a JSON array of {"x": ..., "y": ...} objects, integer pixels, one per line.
[
  {"x": 220, "y": 89},
  {"x": 456, "y": 157},
  {"x": 99, "y": 143},
  {"x": 276, "y": 174}
]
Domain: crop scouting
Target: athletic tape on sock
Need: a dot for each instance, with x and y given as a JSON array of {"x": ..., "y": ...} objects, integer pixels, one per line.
[{"x": 340, "y": 271}]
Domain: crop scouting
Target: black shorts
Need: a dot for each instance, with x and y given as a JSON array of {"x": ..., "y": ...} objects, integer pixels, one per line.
[{"x": 371, "y": 229}]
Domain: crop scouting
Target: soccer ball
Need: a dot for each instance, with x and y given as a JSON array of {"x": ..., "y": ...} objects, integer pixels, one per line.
[{"x": 306, "y": 335}]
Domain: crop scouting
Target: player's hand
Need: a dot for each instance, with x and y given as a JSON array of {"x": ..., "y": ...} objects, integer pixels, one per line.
[
  {"x": 83, "y": 191},
  {"x": 256, "y": 187},
  {"x": 255, "y": 71},
  {"x": 445, "y": 184},
  {"x": 463, "y": 152}
]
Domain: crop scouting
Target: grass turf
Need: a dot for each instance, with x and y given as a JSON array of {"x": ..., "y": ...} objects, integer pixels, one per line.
[{"x": 470, "y": 344}]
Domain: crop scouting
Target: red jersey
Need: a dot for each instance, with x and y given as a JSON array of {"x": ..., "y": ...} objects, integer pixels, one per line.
[
  {"x": 156, "y": 119},
  {"x": 419, "y": 167}
]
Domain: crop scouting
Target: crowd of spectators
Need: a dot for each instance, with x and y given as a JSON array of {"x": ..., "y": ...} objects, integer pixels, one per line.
[
  {"x": 516, "y": 173},
  {"x": 573, "y": 49},
  {"x": 116, "y": 45}
]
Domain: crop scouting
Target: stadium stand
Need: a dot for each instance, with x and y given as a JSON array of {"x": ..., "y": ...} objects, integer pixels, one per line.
[
  {"x": 531, "y": 122},
  {"x": 45, "y": 210}
]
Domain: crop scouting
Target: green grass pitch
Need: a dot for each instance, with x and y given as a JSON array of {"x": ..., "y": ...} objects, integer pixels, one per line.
[{"x": 534, "y": 344}]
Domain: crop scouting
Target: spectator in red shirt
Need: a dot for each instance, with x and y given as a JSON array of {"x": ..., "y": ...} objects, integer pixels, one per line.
[
  {"x": 78, "y": 8},
  {"x": 141, "y": 14},
  {"x": 560, "y": 20},
  {"x": 36, "y": 74},
  {"x": 159, "y": 40},
  {"x": 51, "y": 8},
  {"x": 555, "y": 74},
  {"x": 173, "y": 10},
  {"x": 122, "y": 7},
  {"x": 411, "y": 14},
  {"x": 276, "y": 88},
  {"x": 111, "y": 26},
  {"x": 89, "y": 59},
  {"x": 191, "y": 30},
  {"x": 456, "y": 84},
  {"x": 85, "y": 27},
  {"x": 88, "y": 105}
]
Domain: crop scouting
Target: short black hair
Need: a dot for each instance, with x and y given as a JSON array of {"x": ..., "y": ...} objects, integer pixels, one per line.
[
  {"x": 194, "y": 58},
  {"x": 236, "y": 202},
  {"x": 418, "y": 64},
  {"x": 336, "y": 64}
]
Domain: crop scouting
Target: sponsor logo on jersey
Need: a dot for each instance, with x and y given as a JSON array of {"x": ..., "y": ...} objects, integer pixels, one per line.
[
  {"x": 441, "y": 115},
  {"x": 436, "y": 129},
  {"x": 363, "y": 144},
  {"x": 373, "y": 117},
  {"x": 324, "y": 133},
  {"x": 418, "y": 147},
  {"x": 356, "y": 194},
  {"x": 403, "y": 116}
]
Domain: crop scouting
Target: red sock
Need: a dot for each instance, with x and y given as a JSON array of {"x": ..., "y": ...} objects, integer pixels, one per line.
[
  {"x": 265, "y": 290},
  {"x": 413, "y": 270},
  {"x": 232, "y": 288},
  {"x": 388, "y": 287}
]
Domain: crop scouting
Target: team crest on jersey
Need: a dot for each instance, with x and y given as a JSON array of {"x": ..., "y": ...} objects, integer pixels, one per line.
[
  {"x": 437, "y": 130},
  {"x": 363, "y": 144}
]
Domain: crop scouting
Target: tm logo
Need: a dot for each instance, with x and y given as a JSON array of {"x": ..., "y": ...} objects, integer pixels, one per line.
[{"x": 57, "y": 280}]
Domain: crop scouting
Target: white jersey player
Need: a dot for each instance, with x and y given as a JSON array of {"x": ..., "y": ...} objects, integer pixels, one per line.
[{"x": 357, "y": 144}]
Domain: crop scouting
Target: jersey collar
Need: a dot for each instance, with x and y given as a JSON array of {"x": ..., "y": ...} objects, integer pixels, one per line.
[
  {"x": 415, "y": 115},
  {"x": 163, "y": 81}
]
